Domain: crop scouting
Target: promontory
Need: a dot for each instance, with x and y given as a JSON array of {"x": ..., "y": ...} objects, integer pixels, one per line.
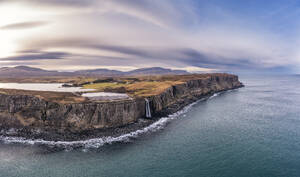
[{"x": 105, "y": 107}]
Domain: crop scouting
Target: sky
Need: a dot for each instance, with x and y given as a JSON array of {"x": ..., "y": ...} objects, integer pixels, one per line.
[{"x": 195, "y": 35}]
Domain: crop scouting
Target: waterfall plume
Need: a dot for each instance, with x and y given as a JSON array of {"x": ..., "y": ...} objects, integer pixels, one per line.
[{"x": 148, "y": 111}]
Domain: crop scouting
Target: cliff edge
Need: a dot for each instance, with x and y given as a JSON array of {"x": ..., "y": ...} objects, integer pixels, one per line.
[{"x": 32, "y": 113}]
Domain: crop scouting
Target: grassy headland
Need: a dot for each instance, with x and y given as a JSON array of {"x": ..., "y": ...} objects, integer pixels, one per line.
[{"x": 140, "y": 86}]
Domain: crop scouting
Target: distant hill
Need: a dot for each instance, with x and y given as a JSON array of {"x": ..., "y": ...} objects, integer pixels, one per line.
[
  {"x": 96, "y": 72},
  {"x": 25, "y": 71},
  {"x": 156, "y": 71}
]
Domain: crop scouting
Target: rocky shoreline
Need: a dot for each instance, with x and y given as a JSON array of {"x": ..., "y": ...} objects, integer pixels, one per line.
[{"x": 169, "y": 102}]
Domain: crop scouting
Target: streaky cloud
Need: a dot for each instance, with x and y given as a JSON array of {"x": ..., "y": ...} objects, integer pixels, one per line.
[
  {"x": 76, "y": 3},
  {"x": 171, "y": 33},
  {"x": 171, "y": 55},
  {"x": 39, "y": 56},
  {"x": 23, "y": 25}
]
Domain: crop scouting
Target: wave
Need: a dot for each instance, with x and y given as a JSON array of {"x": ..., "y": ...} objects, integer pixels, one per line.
[
  {"x": 98, "y": 142},
  {"x": 214, "y": 95}
]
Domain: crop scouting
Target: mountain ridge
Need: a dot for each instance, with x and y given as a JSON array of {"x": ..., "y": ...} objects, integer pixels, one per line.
[{"x": 26, "y": 71}]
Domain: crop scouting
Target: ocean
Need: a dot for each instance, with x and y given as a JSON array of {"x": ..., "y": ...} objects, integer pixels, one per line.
[{"x": 251, "y": 131}]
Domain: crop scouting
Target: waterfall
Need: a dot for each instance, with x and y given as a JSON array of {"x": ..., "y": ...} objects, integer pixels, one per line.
[{"x": 148, "y": 111}]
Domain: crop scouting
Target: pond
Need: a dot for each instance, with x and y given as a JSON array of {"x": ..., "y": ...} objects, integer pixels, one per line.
[
  {"x": 58, "y": 87},
  {"x": 53, "y": 87},
  {"x": 105, "y": 95}
]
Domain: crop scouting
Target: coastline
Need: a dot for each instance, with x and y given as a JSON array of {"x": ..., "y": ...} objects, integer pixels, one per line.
[{"x": 98, "y": 138}]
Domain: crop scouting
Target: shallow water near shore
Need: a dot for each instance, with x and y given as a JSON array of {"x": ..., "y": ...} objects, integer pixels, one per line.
[
  {"x": 251, "y": 131},
  {"x": 53, "y": 87}
]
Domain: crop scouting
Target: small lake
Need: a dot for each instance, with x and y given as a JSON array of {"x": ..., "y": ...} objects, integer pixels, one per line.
[
  {"x": 53, "y": 87},
  {"x": 105, "y": 95},
  {"x": 58, "y": 87}
]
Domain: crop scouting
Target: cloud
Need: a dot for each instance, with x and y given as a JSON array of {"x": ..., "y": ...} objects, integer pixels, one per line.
[
  {"x": 174, "y": 33},
  {"x": 23, "y": 25},
  {"x": 76, "y": 3},
  {"x": 88, "y": 44},
  {"x": 196, "y": 58},
  {"x": 37, "y": 56},
  {"x": 137, "y": 55}
]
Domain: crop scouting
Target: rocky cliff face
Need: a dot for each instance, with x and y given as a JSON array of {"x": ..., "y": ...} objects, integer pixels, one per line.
[
  {"x": 19, "y": 111},
  {"x": 178, "y": 96}
]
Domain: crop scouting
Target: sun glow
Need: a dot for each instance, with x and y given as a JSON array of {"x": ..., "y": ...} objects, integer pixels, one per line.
[
  {"x": 13, "y": 14},
  {"x": 7, "y": 46}
]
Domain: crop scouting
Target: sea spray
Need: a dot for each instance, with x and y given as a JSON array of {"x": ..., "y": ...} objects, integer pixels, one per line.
[{"x": 214, "y": 95}]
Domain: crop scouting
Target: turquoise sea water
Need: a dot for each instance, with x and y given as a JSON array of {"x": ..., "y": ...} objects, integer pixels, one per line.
[{"x": 252, "y": 131}]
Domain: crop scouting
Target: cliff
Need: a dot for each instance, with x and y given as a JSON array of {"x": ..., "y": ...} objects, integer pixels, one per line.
[
  {"x": 33, "y": 112},
  {"x": 178, "y": 96}
]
